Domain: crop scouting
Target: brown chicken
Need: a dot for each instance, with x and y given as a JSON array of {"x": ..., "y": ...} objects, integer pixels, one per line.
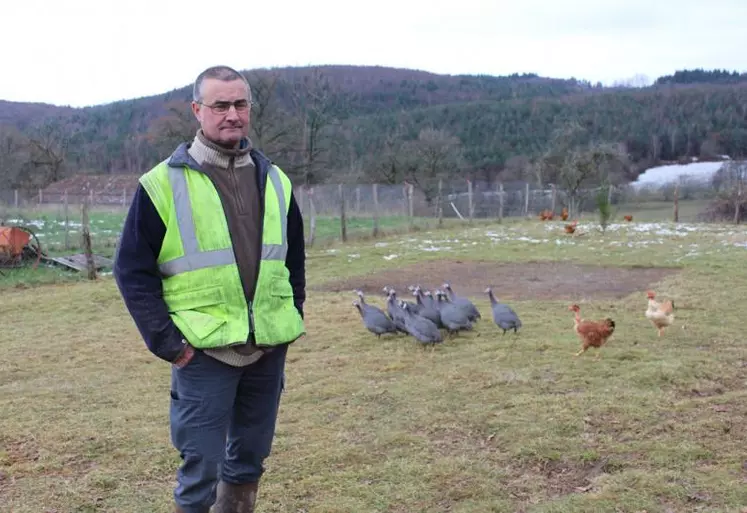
[
  {"x": 546, "y": 215},
  {"x": 591, "y": 333},
  {"x": 570, "y": 228},
  {"x": 661, "y": 315},
  {"x": 628, "y": 218},
  {"x": 564, "y": 214}
]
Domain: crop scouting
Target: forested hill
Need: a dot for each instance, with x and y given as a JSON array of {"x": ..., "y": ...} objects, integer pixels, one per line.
[{"x": 327, "y": 122}]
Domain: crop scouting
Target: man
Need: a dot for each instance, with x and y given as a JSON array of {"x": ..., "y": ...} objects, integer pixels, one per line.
[{"x": 210, "y": 265}]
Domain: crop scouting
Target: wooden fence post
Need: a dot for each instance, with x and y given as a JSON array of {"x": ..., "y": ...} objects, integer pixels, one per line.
[
  {"x": 676, "y": 203},
  {"x": 67, "y": 222},
  {"x": 440, "y": 203},
  {"x": 554, "y": 198},
  {"x": 500, "y": 202},
  {"x": 404, "y": 200},
  {"x": 375, "y": 210},
  {"x": 470, "y": 204},
  {"x": 312, "y": 219},
  {"x": 526, "y": 200},
  {"x": 302, "y": 199},
  {"x": 410, "y": 205},
  {"x": 87, "y": 247},
  {"x": 343, "y": 223},
  {"x": 738, "y": 203}
]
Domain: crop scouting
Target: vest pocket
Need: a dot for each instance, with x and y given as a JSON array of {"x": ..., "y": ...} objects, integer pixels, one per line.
[
  {"x": 281, "y": 287},
  {"x": 276, "y": 319},
  {"x": 199, "y": 310},
  {"x": 201, "y": 324}
]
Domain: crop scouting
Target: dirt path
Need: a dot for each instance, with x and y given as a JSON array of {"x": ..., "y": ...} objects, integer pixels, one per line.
[{"x": 526, "y": 281}]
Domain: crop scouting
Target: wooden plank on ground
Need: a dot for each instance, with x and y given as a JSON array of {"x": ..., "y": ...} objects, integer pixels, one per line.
[{"x": 78, "y": 262}]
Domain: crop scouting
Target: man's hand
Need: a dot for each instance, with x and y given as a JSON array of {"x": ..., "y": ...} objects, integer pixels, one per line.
[{"x": 185, "y": 357}]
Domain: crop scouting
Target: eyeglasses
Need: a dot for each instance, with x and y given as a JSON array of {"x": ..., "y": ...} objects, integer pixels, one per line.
[{"x": 224, "y": 107}]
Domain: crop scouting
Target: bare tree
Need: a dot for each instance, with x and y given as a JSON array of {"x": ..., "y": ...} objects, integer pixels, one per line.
[
  {"x": 732, "y": 187},
  {"x": 315, "y": 102},
  {"x": 434, "y": 154},
  {"x": 388, "y": 160},
  {"x": 134, "y": 153},
  {"x": 586, "y": 166},
  {"x": 48, "y": 147},
  {"x": 178, "y": 125},
  {"x": 13, "y": 156},
  {"x": 573, "y": 163},
  {"x": 517, "y": 167},
  {"x": 271, "y": 128}
]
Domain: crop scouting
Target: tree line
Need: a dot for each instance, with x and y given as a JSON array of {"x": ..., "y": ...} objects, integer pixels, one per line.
[{"x": 345, "y": 124}]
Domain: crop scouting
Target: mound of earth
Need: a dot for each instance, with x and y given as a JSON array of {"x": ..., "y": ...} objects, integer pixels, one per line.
[{"x": 519, "y": 281}]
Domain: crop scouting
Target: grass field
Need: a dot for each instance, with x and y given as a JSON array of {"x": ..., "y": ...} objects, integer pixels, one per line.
[{"x": 483, "y": 423}]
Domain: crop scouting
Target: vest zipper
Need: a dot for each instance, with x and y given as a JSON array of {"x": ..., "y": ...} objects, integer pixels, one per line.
[
  {"x": 251, "y": 318},
  {"x": 262, "y": 200}
]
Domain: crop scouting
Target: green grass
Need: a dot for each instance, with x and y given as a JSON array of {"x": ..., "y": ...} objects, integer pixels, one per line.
[
  {"x": 48, "y": 222},
  {"x": 366, "y": 425},
  {"x": 653, "y": 211}
]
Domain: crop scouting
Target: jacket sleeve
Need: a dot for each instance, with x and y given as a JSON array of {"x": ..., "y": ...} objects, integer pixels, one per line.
[
  {"x": 139, "y": 281},
  {"x": 295, "y": 260}
]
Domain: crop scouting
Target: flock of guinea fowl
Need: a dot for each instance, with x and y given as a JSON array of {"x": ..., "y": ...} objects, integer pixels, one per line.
[
  {"x": 443, "y": 309},
  {"x": 430, "y": 313}
]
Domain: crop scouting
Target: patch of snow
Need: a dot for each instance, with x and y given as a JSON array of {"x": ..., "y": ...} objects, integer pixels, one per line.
[
  {"x": 390, "y": 257},
  {"x": 663, "y": 175},
  {"x": 532, "y": 240}
]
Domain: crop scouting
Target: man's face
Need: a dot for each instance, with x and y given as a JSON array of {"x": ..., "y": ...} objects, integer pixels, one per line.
[{"x": 225, "y": 127}]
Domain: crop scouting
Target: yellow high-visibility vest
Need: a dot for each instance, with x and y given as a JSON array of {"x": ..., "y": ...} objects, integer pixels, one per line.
[{"x": 201, "y": 283}]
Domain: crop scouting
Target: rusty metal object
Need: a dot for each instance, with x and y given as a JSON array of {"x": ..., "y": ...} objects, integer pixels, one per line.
[{"x": 18, "y": 246}]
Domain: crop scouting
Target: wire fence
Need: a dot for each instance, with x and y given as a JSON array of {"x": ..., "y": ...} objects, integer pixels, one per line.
[
  {"x": 481, "y": 200},
  {"x": 340, "y": 211}
]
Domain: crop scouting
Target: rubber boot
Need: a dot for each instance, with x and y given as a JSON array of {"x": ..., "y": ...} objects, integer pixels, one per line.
[{"x": 236, "y": 498}]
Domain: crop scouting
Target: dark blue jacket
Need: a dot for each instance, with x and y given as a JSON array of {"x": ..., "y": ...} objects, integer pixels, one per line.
[{"x": 136, "y": 268}]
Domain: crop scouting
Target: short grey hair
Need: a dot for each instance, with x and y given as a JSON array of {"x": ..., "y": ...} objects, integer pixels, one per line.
[{"x": 224, "y": 73}]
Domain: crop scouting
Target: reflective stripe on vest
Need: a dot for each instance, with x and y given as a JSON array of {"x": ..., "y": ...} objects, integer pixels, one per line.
[{"x": 193, "y": 258}]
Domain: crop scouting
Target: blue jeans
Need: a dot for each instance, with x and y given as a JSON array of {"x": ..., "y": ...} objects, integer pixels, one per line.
[{"x": 223, "y": 423}]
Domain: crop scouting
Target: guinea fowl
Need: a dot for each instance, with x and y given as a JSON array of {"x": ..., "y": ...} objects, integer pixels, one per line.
[
  {"x": 426, "y": 310},
  {"x": 453, "y": 318},
  {"x": 395, "y": 312},
  {"x": 389, "y": 290},
  {"x": 430, "y": 300},
  {"x": 420, "y": 327},
  {"x": 374, "y": 319},
  {"x": 462, "y": 303},
  {"x": 503, "y": 315}
]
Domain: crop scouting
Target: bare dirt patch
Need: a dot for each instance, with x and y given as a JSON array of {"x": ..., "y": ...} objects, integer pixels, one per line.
[
  {"x": 519, "y": 281},
  {"x": 559, "y": 478}
]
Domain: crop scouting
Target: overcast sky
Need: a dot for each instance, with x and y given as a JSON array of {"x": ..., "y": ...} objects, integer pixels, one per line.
[{"x": 81, "y": 52}]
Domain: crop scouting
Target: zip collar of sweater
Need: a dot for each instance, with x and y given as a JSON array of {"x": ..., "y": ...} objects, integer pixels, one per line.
[{"x": 205, "y": 151}]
